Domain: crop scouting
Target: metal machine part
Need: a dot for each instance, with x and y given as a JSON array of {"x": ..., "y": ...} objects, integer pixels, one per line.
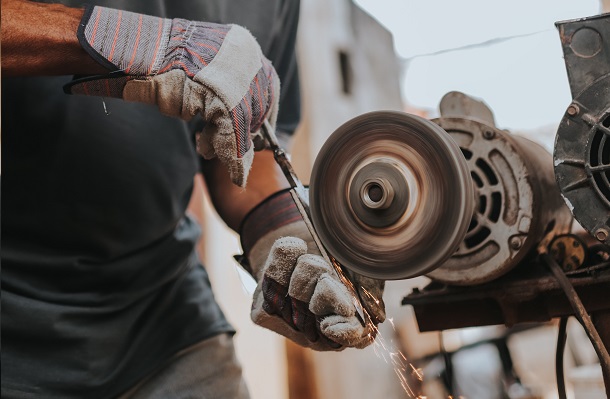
[
  {"x": 586, "y": 50},
  {"x": 538, "y": 290},
  {"x": 391, "y": 196},
  {"x": 582, "y": 144},
  {"x": 569, "y": 251},
  {"x": 518, "y": 205},
  {"x": 531, "y": 295}
]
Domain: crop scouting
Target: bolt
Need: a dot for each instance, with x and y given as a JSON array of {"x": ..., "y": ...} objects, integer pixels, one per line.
[
  {"x": 515, "y": 243},
  {"x": 488, "y": 134},
  {"x": 601, "y": 234},
  {"x": 573, "y": 109},
  {"x": 589, "y": 119}
]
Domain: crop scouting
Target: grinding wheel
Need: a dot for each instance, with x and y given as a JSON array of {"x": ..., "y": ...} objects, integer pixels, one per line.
[{"x": 390, "y": 195}]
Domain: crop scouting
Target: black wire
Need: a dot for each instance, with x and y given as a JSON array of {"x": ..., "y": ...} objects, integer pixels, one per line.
[
  {"x": 471, "y": 46},
  {"x": 561, "y": 343},
  {"x": 448, "y": 365},
  {"x": 581, "y": 314}
]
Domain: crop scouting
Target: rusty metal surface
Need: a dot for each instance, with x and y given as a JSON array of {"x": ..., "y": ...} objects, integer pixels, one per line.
[
  {"x": 580, "y": 312},
  {"x": 582, "y": 145},
  {"x": 390, "y": 195},
  {"x": 531, "y": 294},
  {"x": 456, "y": 104},
  {"x": 586, "y": 48},
  {"x": 569, "y": 251},
  {"x": 582, "y": 158},
  {"x": 518, "y": 205}
]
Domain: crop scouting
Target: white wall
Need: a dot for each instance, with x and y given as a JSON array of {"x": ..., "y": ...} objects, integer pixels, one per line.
[{"x": 328, "y": 27}]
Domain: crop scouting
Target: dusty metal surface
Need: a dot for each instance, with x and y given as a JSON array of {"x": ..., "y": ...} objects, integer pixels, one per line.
[
  {"x": 530, "y": 295},
  {"x": 582, "y": 145},
  {"x": 582, "y": 158},
  {"x": 530, "y": 292},
  {"x": 569, "y": 251},
  {"x": 518, "y": 205},
  {"x": 586, "y": 48},
  {"x": 390, "y": 195},
  {"x": 580, "y": 312},
  {"x": 456, "y": 104}
]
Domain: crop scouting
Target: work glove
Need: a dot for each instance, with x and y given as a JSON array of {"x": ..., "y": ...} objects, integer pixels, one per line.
[
  {"x": 299, "y": 294},
  {"x": 186, "y": 68}
]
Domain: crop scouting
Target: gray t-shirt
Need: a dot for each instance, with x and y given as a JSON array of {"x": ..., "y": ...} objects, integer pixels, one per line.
[{"x": 100, "y": 281}]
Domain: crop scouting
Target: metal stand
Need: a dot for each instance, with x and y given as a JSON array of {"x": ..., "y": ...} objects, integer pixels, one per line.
[{"x": 538, "y": 290}]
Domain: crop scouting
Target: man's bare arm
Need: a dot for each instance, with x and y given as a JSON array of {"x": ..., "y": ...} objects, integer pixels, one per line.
[
  {"x": 40, "y": 39},
  {"x": 233, "y": 203}
]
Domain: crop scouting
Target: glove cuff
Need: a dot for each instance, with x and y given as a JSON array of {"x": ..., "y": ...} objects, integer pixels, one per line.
[
  {"x": 124, "y": 41},
  {"x": 275, "y": 211}
]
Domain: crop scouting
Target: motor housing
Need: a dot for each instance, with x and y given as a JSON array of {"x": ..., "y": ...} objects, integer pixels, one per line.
[
  {"x": 517, "y": 203},
  {"x": 582, "y": 143}
]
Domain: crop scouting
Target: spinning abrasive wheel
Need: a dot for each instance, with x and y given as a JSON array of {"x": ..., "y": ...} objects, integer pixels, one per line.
[{"x": 391, "y": 196}]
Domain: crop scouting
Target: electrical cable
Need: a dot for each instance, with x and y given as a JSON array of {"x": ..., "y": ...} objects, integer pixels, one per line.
[
  {"x": 561, "y": 343},
  {"x": 471, "y": 46},
  {"x": 448, "y": 365},
  {"x": 581, "y": 314}
]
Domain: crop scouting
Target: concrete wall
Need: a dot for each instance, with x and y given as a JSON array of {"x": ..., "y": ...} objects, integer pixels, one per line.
[{"x": 341, "y": 48}]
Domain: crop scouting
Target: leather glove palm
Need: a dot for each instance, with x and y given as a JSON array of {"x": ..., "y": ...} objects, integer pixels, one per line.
[
  {"x": 186, "y": 68},
  {"x": 298, "y": 293}
]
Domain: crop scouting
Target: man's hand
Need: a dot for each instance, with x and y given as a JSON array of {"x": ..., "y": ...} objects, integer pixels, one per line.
[
  {"x": 298, "y": 293},
  {"x": 186, "y": 68}
]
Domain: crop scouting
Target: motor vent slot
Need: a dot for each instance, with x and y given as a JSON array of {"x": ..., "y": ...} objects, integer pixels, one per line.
[
  {"x": 515, "y": 201},
  {"x": 599, "y": 158},
  {"x": 582, "y": 158},
  {"x": 489, "y": 203}
]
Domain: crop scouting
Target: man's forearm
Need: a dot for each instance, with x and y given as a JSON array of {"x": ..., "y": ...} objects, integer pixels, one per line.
[
  {"x": 234, "y": 203},
  {"x": 40, "y": 39}
]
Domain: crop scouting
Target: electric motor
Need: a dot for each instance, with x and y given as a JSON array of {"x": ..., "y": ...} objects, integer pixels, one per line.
[{"x": 517, "y": 204}]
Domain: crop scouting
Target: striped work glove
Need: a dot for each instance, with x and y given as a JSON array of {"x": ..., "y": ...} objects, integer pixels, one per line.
[
  {"x": 185, "y": 68},
  {"x": 298, "y": 293}
]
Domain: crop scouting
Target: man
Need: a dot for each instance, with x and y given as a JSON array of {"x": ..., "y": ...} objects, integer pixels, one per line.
[{"x": 103, "y": 295}]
